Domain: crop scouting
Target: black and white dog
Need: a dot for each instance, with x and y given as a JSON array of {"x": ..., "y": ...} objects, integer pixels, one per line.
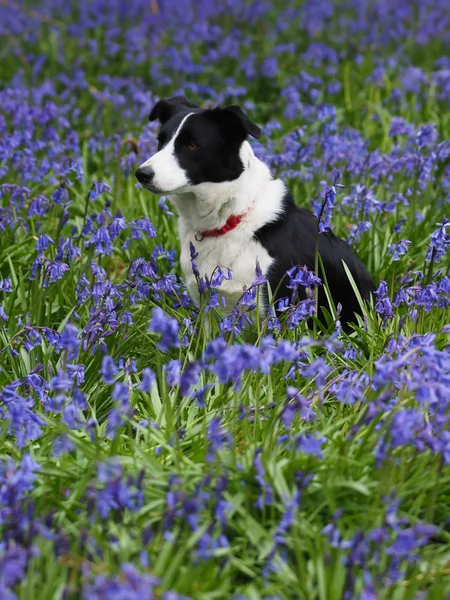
[{"x": 233, "y": 210}]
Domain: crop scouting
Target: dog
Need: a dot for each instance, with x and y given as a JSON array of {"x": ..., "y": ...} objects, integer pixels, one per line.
[{"x": 235, "y": 213}]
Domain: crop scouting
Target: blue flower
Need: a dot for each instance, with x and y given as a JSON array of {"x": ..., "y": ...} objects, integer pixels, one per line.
[
  {"x": 217, "y": 437},
  {"x": 398, "y": 249},
  {"x": 6, "y": 285},
  {"x": 108, "y": 369},
  {"x": 167, "y": 327},
  {"x": 68, "y": 340},
  {"x": 147, "y": 381},
  {"x": 308, "y": 444},
  {"x": 43, "y": 242},
  {"x": 440, "y": 241},
  {"x": 98, "y": 188}
]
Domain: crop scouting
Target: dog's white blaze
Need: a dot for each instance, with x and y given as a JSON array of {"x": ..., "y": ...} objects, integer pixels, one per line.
[{"x": 169, "y": 176}]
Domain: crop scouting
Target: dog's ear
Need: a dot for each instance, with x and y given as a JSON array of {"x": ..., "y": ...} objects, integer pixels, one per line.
[
  {"x": 165, "y": 109},
  {"x": 235, "y": 122}
]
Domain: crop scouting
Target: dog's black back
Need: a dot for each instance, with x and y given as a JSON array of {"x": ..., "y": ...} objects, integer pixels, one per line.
[{"x": 291, "y": 241}]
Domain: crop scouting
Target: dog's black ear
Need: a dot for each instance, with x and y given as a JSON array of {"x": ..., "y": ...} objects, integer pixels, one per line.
[
  {"x": 236, "y": 121},
  {"x": 165, "y": 109}
]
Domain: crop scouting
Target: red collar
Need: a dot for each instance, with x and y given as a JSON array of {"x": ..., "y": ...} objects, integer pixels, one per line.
[{"x": 231, "y": 223}]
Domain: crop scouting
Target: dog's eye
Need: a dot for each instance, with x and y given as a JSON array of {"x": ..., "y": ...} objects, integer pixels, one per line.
[{"x": 192, "y": 146}]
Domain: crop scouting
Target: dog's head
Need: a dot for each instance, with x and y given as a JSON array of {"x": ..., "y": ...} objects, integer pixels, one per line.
[{"x": 195, "y": 146}]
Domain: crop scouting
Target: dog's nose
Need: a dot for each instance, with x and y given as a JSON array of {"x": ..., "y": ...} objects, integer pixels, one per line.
[{"x": 145, "y": 175}]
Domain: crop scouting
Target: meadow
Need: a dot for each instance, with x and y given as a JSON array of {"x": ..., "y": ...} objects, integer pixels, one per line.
[{"x": 146, "y": 455}]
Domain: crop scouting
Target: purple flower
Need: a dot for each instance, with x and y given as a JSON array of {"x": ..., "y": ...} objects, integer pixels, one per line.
[
  {"x": 398, "y": 249},
  {"x": 296, "y": 405},
  {"x": 173, "y": 371},
  {"x": 17, "y": 479},
  {"x": 217, "y": 437},
  {"x": 269, "y": 67},
  {"x": 426, "y": 136},
  {"x": 383, "y": 305},
  {"x": 167, "y": 327},
  {"x": 219, "y": 276},
  {"x": 68, "y": 340},
  {"x": 142, "y": 225},
  {"x": 98, "y": 188},
  {"x": 61, "y": 445},
  {"x": 302, "y": 276},
  {"x": 440, "y": 241},
  {"x": 324, "y": 211},
  {"x": 120, "y": 393},
  {"x": 194, "y": 255},
  {"x": 13, "y": 567},
  {"x": 101, "y": 240},
  {"x": 6, "y": 285},
  {"x": 43, "y": 242},
  {"x": 55, "y": 271},
  {"x": 117, "y": 225},
  {"x": 61, "y": 382},
  {"x": 400, "y": 127},
  {"x": 108, "y": 369},
  {"x": 266, "y": 496},
  {"x": 147, "y": 381},
  {"x": 309, "y": 444},
  {"x": 189, "y": 377},
  {"x": 127, "y": 584}
]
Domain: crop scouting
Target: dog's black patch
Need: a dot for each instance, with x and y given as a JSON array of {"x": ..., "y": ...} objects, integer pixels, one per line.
[
  {"x": 207, "y": 147},
  {"x": 292, "y": 240}
]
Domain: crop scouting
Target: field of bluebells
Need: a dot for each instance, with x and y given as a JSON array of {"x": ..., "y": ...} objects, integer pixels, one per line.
[{"x": 152, "y": 450}]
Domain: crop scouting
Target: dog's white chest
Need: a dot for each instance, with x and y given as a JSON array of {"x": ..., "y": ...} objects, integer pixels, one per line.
[{"x": 235, "y": 251}]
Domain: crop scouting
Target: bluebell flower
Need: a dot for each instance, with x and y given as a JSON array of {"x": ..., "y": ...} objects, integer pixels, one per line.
[
  {"x": 325, "y": 210},
  {"x": 6, "y": 285},
  {"x": 69, "y": 340},
  {"x": 383, "y": 305},
  {"x": 117, "y": 225},
  {"x": 296, "y": 405},
  {"x": 189, "y": 377},
  {"x": 162, "y": 203},
  {"x": 13, "y": 568},
  {"x": 219, "y": 276},
  {"x": 426, "y": 136},
  {"x": 120, "y": 393},
  {"x": 217, "y": 437},
  {"x": 60, "y": 195},
  {"x": 194, "y": 255},
  {"x": 269, "y": 67},
  {"x": 142, "y": 225},
  {"x": 101, "y": 240},
  {"x": 309, "y": 444},
  {"x": 147, "y": 380},
  {"x": 302, "y": 276},
  {"x": 440, "y": 241},
  {"x": 266, "y": 496},
  {"x": 167, "y": 327},
  {"x": 39, "y": 206},
  {"x": 398, "y": 249},
  {"x": 55, "y": 271},
  {"x": 43, "y": 242},
  {"x": 108, "y": 369},
  {"x": 62, "y": 445},
  {"x": 98, "y": 188}
]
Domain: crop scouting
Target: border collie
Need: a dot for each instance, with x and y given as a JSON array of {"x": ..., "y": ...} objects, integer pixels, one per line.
[{"x": 235, "y": 213}]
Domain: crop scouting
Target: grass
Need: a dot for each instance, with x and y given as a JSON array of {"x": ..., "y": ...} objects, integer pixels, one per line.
[{"x": 211, "y": 517}]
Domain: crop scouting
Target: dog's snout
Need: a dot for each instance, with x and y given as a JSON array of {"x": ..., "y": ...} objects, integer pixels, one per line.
[{"x": 145, "y": 175}]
